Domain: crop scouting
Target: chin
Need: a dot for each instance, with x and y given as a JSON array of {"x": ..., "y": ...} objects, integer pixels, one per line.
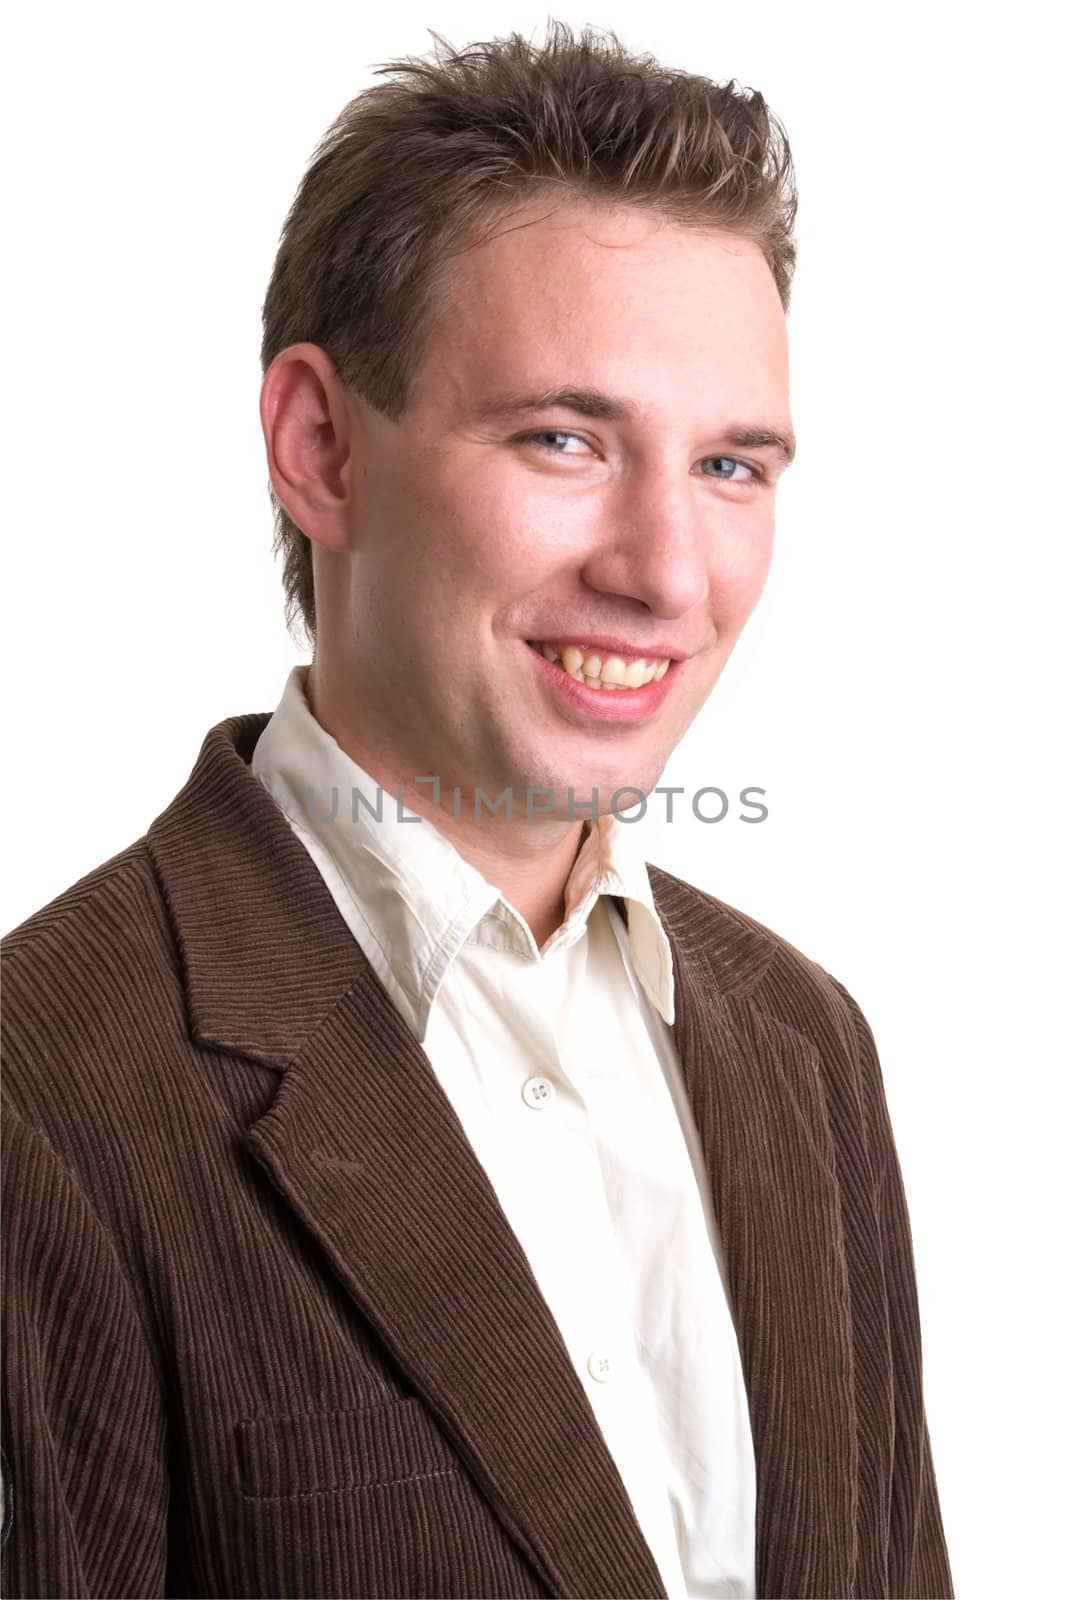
[
  {"x": 642, "y": 778},
  {"x": 554, "y": 770}
]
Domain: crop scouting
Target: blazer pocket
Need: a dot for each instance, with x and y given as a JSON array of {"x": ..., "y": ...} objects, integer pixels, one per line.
[{"x": 333, "y": 1452}]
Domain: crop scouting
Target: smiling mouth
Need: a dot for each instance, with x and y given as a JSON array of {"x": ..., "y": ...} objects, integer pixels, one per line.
[{"x": 598, "y": 670}]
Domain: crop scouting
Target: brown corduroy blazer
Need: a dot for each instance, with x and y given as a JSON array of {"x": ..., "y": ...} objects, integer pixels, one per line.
[{"x": 267, "y": 1329}]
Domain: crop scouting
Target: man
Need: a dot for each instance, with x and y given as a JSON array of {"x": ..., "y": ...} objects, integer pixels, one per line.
[{"x": 407, "y": 1190}]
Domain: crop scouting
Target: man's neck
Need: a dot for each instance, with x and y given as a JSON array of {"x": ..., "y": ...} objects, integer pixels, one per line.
[
  {"x": 532, "y": 879},
  {"x": 529, "y": 861}
]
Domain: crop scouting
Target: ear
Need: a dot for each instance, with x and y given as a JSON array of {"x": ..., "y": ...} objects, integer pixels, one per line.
[{"x": 310, "y": 426}]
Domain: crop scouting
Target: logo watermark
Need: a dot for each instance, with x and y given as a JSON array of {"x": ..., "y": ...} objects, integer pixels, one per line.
[{"x": 708, "y": 804}]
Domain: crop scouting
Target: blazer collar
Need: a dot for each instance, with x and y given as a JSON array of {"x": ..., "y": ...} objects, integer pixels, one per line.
[
  {"x": 366, "y": 1148},
  {"x": 265, "y": 950}
]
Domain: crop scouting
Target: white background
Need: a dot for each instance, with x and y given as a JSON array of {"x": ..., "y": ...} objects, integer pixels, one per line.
[{"x": 895, "y": 693}]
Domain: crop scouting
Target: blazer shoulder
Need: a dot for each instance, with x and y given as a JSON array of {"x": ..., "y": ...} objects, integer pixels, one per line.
[
  {"x": 83, "y": 975},
  {"x": 88, "y": 896},
  {"x": 756, "y": 962}
]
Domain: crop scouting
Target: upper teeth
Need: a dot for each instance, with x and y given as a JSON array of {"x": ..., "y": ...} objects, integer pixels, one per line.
[{"x": 605, "y": 672}]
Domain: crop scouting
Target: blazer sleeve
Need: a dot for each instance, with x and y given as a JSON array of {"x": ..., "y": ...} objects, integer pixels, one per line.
[
  {"x": 917, "y": 1556},
  {"x": 83, "y": 1417}
]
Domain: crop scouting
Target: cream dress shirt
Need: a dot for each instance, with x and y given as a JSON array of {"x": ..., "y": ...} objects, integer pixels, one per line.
[{"x": 562, "y": 1069}]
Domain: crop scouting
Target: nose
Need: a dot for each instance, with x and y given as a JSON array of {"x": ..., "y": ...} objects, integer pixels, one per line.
[{"x": 653, "y": 544}]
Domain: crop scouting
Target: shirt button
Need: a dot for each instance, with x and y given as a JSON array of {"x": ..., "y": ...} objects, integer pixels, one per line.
[
  {"x": 599, "y": 1367},
  {"x": 537, "y": 1092}
]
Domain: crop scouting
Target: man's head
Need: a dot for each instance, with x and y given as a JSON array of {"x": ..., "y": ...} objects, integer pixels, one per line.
[{"x": 510, "y": 223}]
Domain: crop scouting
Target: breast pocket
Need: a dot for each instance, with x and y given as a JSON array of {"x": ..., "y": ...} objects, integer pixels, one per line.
[
  {"x": 334, "y": 1452},
  {"x": 366, "y": 1502}
]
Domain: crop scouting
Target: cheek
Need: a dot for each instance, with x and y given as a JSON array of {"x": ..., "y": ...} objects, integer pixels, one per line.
[
  {"x": 506, "y": 537},
  {"x": 738, "y": 567}
]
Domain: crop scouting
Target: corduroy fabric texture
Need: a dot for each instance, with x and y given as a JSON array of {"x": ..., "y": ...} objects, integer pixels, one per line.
[{"x": 267, "y": 1330}]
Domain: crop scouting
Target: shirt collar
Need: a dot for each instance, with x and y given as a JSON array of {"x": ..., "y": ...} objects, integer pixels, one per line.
[{"x": 409, "y": 896}]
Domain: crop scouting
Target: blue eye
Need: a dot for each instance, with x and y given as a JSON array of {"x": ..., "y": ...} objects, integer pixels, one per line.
[
  {"x": 540, "y": 434},
  {"x": 731, "y": 461}
]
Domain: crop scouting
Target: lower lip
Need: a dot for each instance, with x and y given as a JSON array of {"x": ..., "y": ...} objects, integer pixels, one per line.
[{"x": 607, "y": 705}]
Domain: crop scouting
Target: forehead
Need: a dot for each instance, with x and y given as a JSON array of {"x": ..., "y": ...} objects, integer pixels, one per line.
[{"x": 619, "y": 297}]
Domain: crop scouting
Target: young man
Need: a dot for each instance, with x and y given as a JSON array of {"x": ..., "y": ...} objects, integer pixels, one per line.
[{"x": 407, "y": 1190}]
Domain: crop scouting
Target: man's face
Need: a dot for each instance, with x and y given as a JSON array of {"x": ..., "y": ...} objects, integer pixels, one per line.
[{"x": 643, "y": 534}]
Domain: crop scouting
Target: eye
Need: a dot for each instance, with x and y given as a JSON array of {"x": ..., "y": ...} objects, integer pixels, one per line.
[
  {"x": 538, "y": 436},
  {"x": 731, "y": 475}
]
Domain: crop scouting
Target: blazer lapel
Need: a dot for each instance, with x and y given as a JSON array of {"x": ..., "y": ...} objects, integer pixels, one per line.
[
  {"x": 756, "y": 1091},
  {"x": 365, "y": 1146}
]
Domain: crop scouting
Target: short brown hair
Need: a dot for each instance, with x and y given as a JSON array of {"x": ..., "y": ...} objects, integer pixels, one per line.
[{"x": 414, "y": 167}]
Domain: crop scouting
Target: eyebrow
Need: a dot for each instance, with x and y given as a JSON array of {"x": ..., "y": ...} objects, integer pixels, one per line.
[{"x": 611, "y": 408}]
